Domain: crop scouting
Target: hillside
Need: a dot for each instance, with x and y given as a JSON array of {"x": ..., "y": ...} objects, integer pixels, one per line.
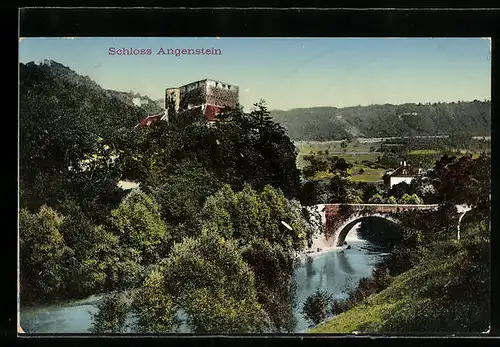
[
  {"x": 448, "y": 292},
  {"x": 331, "y": 123},
  {"x": 62, "y": 117}
]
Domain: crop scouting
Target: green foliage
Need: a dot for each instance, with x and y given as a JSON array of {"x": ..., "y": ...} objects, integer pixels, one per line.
[
  {"x": 250, "y": 148},
  {"x": 400, "y": 189},
  {"x": 463, "y": 181},
  {"x": 209, "y": 280},
  {"x": 410, "y": 199},
  {"x": 42, "y": 254},
  {"x": 376, "y": 199},
  {"x": 315, "y": 307},
  {"x": 61, "y": 117},
  {"x": 250, "y": 215},
  {"x": 338, "y": 306},
  {"x": 313, "y": 192},
  {"x": 276, "y": 288},
  {"x": 112, "y": 314},
  {"x": 92, "y": 249},
  {"x": 139, "y": 225},
  {"x": 449, "y": 292},
  {"x": 182, "y": 196},
  {"x": 392, "y": 200},
  {"x": 153, "y": 307},
  {"x": 342, "y": 190},
  {"x": 381, "y": 232},
  {"x": 332, "y": 165}
]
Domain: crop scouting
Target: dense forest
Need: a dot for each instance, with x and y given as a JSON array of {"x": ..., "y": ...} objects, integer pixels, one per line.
[
  {"x": 331, "y": 123},
  {"x": 216, "y": 214},
  {"x": 218, "y": 220}
]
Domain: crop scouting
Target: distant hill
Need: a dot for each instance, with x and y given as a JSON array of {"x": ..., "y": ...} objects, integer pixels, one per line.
[
  {"x": 138, "y": 100},
  {"x": 160, "y": 102},
  {"x": 331, "y": 123}
]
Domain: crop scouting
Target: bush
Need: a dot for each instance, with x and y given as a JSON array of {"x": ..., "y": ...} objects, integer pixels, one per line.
[
  {"x": 111, "y": 316},
  {"x": 410, "y": 199},
  {"x": 339, "y": 306},
  {"x": 392, "y": 200},
  {"x": 376, "y": 199},
  {"x": 315, "y": 308}
]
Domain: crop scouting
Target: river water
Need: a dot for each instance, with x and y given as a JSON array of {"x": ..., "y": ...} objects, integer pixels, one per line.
[{"x": 335, "y": 271}]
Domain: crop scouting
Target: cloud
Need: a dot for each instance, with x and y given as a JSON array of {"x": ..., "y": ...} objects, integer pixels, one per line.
[{"x": 246, "y": 90}]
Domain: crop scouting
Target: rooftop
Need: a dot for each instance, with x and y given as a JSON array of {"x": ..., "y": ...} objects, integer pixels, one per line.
[{"x": 205, "y": 80}]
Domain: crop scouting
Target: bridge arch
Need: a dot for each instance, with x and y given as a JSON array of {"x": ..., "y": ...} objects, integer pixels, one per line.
[{"x": 343, "y": 230}]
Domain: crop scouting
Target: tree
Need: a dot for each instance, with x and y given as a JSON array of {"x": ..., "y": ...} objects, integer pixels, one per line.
[
  {"x": 270, "y": 229},
  {"x": 399, "y": 190},
  {"x": 313, "y": 192},
  {"x": 315, "y": 307},
  {"x": 42, "y": 254},
  {"x": 276, "y": 289},
  {"x": 341, "y": 190},
  {"x": 181, "y": 197},
  {"x": 62, "y": 115},
  {"x": 153, "y": 307},
  {"x": 339, "y": 166},
  {"x": 92, "y": 253},
  {"x": 465, "y": 180},
  {"x": 316, "y": 165},
  {"x": 209, "y": 280},
  {"x": 112, "y": 314},
  {"x": 138, "y": 223},
  {"x": 251, "y": 148},
  {"x": 249, "y": 215}
]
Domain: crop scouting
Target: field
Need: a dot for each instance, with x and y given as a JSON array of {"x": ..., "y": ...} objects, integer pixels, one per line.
[
  {"x": 364, "y": 154},
  {"x": 424, "y": 152},
  {"x": 354, "y": 153}
]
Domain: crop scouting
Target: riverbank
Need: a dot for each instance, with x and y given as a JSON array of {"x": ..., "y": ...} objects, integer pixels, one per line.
[{"x": 448, "y": 292}]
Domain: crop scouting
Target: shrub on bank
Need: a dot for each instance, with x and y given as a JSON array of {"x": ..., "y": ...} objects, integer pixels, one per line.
[{"x": 315, "y": 308}]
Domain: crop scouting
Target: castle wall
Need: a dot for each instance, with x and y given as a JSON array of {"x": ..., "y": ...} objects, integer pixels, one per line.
[
  {"x": 221, "y": 94},
  {"x": 192, "y": 95}
]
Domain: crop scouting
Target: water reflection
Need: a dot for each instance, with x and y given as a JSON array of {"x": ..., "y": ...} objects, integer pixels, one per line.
[
  {"x": 345, "y": 266},
  {"x": 335, "y": 271}
]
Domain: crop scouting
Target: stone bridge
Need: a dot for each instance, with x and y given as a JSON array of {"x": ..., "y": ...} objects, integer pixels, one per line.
[{"x": 339, "y": 219}]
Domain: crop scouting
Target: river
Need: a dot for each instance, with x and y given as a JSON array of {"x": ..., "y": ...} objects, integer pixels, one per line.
[{"x": 334, "y": 271}]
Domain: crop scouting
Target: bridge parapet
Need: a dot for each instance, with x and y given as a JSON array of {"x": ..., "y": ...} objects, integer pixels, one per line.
[
  {"x": 340, "y": 218},
  {"x": 334, "y": 209}
]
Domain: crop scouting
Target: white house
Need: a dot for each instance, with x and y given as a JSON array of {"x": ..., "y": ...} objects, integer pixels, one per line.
[{"x": 404, "y": 173}]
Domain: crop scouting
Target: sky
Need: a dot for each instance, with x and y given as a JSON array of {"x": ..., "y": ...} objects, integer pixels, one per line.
[{"x": 286, "y": 72}]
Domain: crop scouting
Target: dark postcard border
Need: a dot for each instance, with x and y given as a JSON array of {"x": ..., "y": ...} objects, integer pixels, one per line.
[
  {"x": 256, "y": 22},
  {"x": 292, "y": 23}
]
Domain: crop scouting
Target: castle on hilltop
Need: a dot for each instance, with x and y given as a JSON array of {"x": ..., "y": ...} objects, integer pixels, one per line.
[
  {"x": 197, "y": 101},
  {"x": 208, "y": 96}
]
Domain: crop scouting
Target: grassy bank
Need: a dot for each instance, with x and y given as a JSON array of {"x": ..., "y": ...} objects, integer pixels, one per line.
[{"x": 448, "y": 292}]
